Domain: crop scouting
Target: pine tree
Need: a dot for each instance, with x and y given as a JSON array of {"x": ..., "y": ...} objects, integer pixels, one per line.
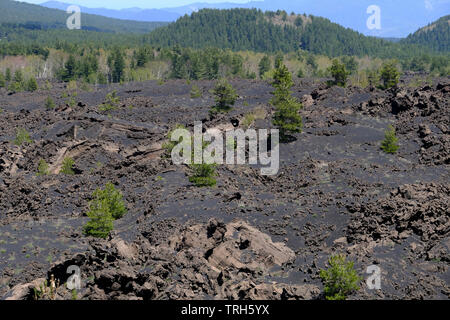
[
  {"x": 389, "y": 144},
  {"x": 389, "y": 75},
  {"x": 224, "y": 95},
  {"x": 264, "y": 65},
  {"x": 286, "y": 116},
  {"x": 339, "y": 73},
  {"x": 8, "y": 75},
  {"x": 31, "y": 84}
]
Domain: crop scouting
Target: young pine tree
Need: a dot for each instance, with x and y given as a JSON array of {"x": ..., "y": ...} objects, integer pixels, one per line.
[
  {"x": 389, "y": 75},
  {"x": 264, "y": 66},
  {"x": 286, "y": 116},
  {"x": 31, "y": 84},
  {"x": 224, "y": 95},
  {"x": 339, "y": 73},
  {"x": 389, "y": 144},
  {"x": 107, "y": 205}
]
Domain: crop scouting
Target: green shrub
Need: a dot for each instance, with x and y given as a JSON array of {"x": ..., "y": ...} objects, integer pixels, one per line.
[
  {"x": 389, "y": 75},
  {"x": 42, "y": 168},
  {"x": 340, "y": 279},
  {"x": 203, "y": 175},
  {"x": 389, "y": 144},
  {"x": 15, "y": 87},
  {"x": 22, "y": 136},
  {"x": 31, "y": 85},
  {"x": 8, "y": 75},
  {"x": 224, "y": 95},
  {"x": 49, "y": 104},
  {"x": 2, "y": 81},
  {"x": 339, "y": 73},
  {"x": 67, "y": 166},
  {"x": 196, "y": 92},
  {"x": 107, "y": 205},
  {"x": 111, "y": 102}
]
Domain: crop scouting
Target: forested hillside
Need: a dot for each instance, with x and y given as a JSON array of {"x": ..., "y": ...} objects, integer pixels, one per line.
[
  {"x": 251, "y": 29},
  {"x": 435, "y": 35},
  {"x": 33, "y": 17}
]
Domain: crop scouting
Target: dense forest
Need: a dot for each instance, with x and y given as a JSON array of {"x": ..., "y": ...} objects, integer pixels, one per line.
[
  {"x": 251, "y": 29},
  {"x": 436, "y": 35}
]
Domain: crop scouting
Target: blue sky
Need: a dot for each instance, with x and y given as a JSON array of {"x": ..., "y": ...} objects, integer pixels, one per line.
[{"x": 120, "y": 4}]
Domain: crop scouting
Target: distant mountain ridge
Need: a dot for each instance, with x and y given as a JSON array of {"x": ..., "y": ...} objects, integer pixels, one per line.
[
  {"x": 398, "y": 18},
  {"x": 34, "y": 17},
  {"x": 136, "y": 14},
  {"x": 436, "y": 35}
]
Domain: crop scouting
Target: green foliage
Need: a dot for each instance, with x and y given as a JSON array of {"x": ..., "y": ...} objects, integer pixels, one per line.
[
  {"x": 114, "y": 199},
  {"x": 264, "y": 65},
  {"x": 434, "y": 36},
  {"x": 49, "y": 103},
  {"x": 107, "y": 205},
  {"x": 196, "y": 92},
  {"x": 22, "y": 136},
  {"x": 339, "y": 73},
  {"x": 254, "y": 30},
  {"x": 116, "y": 63},
  {"x": 67, "y": 166},
  {"x": 2, "y": 81},
  {"x": 224, "y": 95},
  {"x": 8, "y": 75},
  {"x": 111, "y": 102},
  {"x": 351, "y": 65},
  {"x": 34, "y": 18},
  {"x": 101, "y": 222},
  {"x": 43, "y": 168},
  {"x": 340, "y": 279},
  {"x": 286, "y": 116},
  {"x": 301, "y": 73},
  {"x": 31, "y": 85},
  {"x": 389, "y": 144},
  {"x": 203, "y": 175},
  {"x": 389, "y": 75}
]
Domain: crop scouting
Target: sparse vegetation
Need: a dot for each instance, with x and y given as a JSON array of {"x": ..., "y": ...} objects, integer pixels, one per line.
[
  {"x": 22, "y": 136},
  {"x": 340, "y": 279},
  {"x": 203, "y": 175},
  {"x": 67, "y": 166},
  {"x": 389, "y": 144},
  {"x": 111, "y": 102},
  {"x": 196, "y": 92},
  {"x": 43, "y": 168},
  {"x": 49, "y": 103}
]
